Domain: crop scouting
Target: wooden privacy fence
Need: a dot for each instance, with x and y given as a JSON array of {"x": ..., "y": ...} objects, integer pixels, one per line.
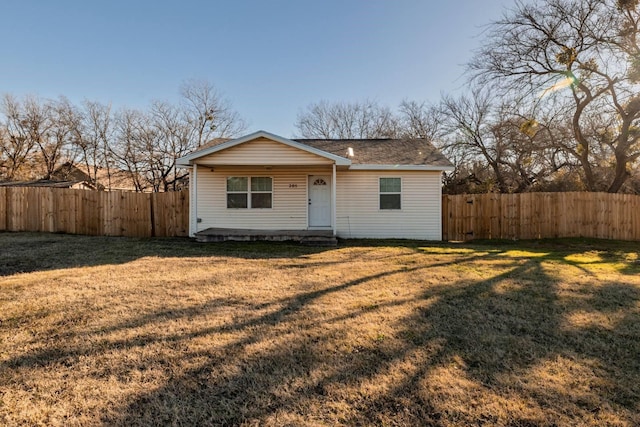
[
  {"x": 464, "y": 217},
  {"x": 541, "y": 215},
  {"x": 95, "y": 213}
]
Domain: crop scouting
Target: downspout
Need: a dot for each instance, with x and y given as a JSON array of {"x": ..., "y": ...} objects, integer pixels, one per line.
[{"x": 334, "y": 214}]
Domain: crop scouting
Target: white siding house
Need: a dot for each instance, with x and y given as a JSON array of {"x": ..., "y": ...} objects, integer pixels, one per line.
[
  {"x": 353, "y": 188},
  {"x": 359, "y": 214}
]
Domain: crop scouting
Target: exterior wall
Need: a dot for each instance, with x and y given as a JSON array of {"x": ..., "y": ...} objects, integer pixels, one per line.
[
  {"x": 359, "y": 215},
  {"x": 290, "y": 200},
  {"x": 261, "y": 152},
  {"x": 358, "y": 212}
]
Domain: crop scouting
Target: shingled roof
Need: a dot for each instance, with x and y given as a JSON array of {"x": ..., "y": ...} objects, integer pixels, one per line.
[
  {"x": 382, "y": 151},
  {"x": 49, "y": 183}
]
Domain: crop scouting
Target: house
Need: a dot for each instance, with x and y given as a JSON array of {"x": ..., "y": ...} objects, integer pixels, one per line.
[
  {"x": 106, "y": 179},
  {"x": 71, "y": 175},
  {"x": 268, "y": 185}
]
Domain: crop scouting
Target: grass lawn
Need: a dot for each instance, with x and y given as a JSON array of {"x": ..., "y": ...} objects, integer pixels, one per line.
[{"x": 117, "y": 331}]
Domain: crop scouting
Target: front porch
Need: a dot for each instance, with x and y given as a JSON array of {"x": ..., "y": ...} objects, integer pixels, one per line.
[{"x": 305, "y": 237}]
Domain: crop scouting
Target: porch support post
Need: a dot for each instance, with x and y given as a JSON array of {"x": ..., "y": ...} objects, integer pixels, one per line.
[
  {"x": 334, "y": 214},
  {"x": 193, "y": 200}
]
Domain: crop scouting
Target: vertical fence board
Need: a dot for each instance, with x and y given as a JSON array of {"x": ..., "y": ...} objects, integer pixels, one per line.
[
  {"x": 496, "y": 214},
  {"x": 15, "y": 205},
  {"x": 445, "y": 217},
  {"x": 3, "y": 209},
  {"x": 633, "y": 204}
]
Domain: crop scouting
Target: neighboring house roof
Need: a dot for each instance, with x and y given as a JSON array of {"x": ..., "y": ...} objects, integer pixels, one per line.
[
  {"x": 366, "y": 153},
  {"x": 68, "y": 171},
  {"x": 49, "y": 183},
  {"x": 113, "y": 179}
]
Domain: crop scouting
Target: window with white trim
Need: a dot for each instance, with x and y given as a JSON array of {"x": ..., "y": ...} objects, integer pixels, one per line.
[
  {"x": 390, "y": 193},
  {"x": 245, "y": 192}
]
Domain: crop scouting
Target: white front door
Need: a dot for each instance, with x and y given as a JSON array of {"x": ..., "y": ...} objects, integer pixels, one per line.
[{"x": 319, "y": 201}]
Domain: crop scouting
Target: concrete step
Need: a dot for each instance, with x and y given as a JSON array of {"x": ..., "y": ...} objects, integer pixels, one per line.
[
  {"x": 305, "y": 237},
  {"x": 319, "y": 241}
]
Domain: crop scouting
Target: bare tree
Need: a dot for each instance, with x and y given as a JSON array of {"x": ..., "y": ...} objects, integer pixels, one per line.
[
  {"x": 58, "y": 145},
  {"x": 148, "y": 143},
  {"x": 168, "y": 131},
  {"x": 175, "y": 139},
  {"x": 37, "y": 136},
  {"x": 15, "y": 144},
  {"x": 93, "y": 134},
  {"x": 356, "y": 120},
  {"x": 420, "y": 120},
  {"x": 208, "y": 113},
  {"x": 128, "y": 150},
  {"x": 471, "y": 132},
  {"x": 583, "y": 55},
  {"x": 495, "y": 144}
]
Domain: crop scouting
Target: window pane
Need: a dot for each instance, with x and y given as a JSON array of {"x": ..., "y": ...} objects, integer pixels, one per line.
[
  {"x": 389, "y": 201},
  {"x": 237, "y": 183},
  {"x": 390, "y": 185},
  {"x": 261, "y": 200},
  {"x": 260, "y": 184},
  {"x": 236, "y": 201}
]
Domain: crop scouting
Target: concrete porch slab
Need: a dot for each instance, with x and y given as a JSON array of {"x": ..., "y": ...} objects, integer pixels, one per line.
[{"x": 308, "y": 237}]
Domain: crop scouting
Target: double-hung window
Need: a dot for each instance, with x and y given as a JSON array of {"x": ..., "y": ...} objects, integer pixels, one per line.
[
  {"x": 245, "y": 192},
  {"x": 261, "y": 192},
  {"x": 390, "y": 193}
]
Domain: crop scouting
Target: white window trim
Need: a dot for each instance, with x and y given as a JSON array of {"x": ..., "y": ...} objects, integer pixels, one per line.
[
  {"x": 387, "y": 192},
  {"x": 248, "y": 192}
]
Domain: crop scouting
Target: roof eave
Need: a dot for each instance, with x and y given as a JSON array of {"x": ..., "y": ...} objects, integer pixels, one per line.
[{"x": 402, "y": 167}]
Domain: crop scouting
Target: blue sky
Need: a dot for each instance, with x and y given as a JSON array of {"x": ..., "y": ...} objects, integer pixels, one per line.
[{"x": 270, "y": 58}]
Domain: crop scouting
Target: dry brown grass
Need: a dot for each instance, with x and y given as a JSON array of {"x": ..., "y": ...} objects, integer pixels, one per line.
[{"x": 115, "y": 331}]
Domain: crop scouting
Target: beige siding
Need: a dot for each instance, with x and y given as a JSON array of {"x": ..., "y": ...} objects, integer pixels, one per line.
[
  {"x": 290, "y": 203},
  {"x": 359, "y": 215},
  {"x": 263, "y": 151}
]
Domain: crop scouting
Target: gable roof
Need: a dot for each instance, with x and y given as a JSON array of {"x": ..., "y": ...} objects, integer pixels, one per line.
[
  {"x": 380, "y": 153},
  {"x": 223, "y": 145},
  {"x": 112, "y": 179}
]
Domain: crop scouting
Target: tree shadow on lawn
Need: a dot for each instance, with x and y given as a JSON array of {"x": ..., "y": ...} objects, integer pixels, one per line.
[
  {"x": 27, "y": 252},
  {"x": 467, "y": 352},
  {"x": 31, "y": 252},
  {"x": 488, "y": 345}
]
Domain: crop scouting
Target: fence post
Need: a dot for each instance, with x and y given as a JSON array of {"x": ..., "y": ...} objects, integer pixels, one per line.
[
  {"x": 444, "y": 214},
  {"x": 152, "y": 200}
]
